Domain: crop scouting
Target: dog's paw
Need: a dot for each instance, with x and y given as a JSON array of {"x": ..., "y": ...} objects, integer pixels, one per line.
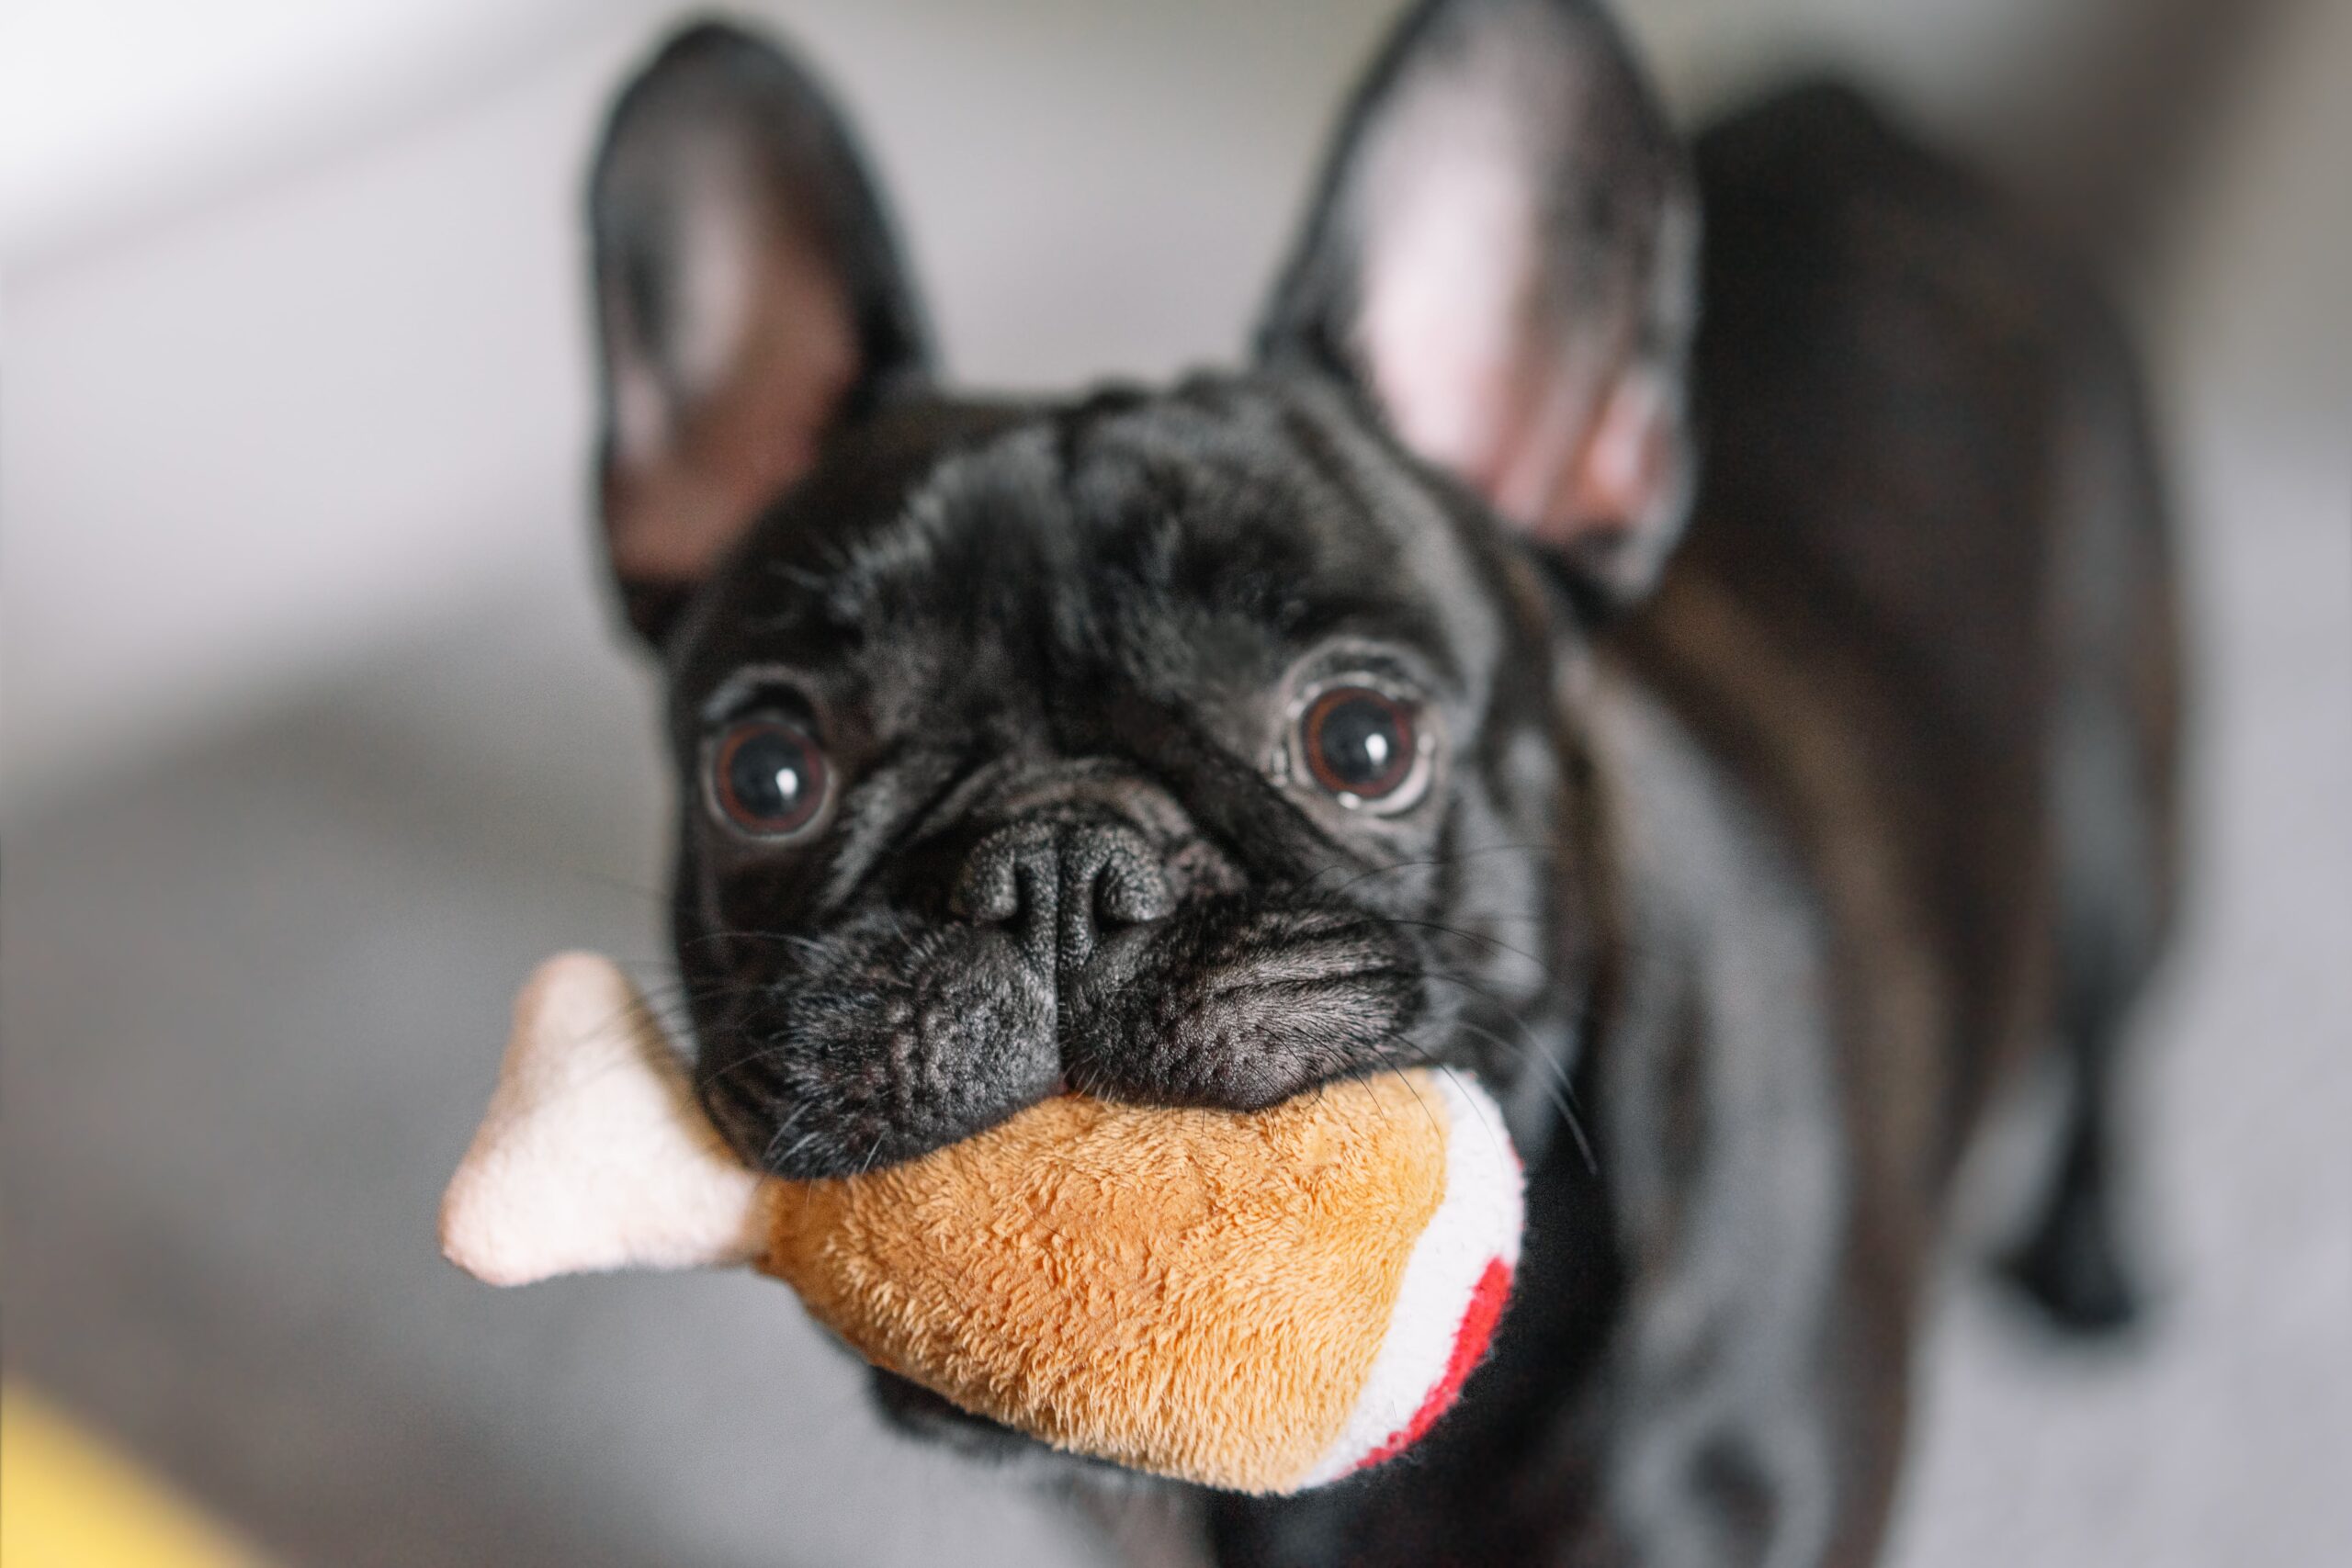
[{"x": 2072, "y": 1269}]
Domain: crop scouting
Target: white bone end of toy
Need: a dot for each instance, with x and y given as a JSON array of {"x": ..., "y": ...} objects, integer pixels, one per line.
[{"x": 594, "y": 1154}]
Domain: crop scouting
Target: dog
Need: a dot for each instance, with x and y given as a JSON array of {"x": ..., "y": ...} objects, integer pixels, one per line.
[{"x": 1720, "y": 690}]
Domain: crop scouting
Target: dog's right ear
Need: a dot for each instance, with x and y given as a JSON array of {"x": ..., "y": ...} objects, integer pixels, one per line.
[
  {"x": 749, "y": 300},
  {"x": 1502, "y": 261}
]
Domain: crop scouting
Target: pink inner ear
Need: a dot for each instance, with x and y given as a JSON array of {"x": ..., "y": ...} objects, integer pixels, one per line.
[
  {"x": 1475, "y": 366},
  {"x": 1447, "y": 237},
  {"x": 1564, "y": 459},
  {"x": 1441, "y": 313},
  {"x": 1512, "y": 242},
  {"x": 675, "y": 499},
  {"x": 1618, "y": 483}
]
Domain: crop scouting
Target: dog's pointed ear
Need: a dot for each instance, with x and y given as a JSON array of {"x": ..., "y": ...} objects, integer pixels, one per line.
[
  {"x": 749, "y": 300},
  {"x": 1501, "y": 259}
]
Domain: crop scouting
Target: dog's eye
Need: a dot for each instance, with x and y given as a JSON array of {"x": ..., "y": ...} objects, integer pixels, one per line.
[
  {"x": 1362, "y": 746},
  {"x": 768, "y": 778}
]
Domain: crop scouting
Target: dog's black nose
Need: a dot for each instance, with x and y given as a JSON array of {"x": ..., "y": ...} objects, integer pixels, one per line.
[{"x": 1061, "y": 882}]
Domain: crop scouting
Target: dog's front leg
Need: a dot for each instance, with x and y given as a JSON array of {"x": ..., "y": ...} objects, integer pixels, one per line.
[{"x": 1753, "y": 1389}]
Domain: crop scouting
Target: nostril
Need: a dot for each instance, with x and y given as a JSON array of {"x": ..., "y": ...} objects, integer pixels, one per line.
[
  {"x": 1130, "y": 889},
  {"x": 1013, "y": 880},
  {"x": 1110, "y": 879},
  {"x": 989, "y": 891},
  {"x": 1007, "y": 874}
]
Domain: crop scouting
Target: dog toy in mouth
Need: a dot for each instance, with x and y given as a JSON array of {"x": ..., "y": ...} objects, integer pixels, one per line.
[{"x": 1260, "y": 1301}]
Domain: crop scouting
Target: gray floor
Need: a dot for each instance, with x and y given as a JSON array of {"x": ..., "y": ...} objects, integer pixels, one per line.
[{"x": 251, "y": 993}]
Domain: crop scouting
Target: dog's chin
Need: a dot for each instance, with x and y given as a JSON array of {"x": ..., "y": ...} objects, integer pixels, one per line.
[{"x": 920, "y": 1414}]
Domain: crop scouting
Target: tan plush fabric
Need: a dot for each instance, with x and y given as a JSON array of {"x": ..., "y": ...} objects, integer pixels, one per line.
[
  {"x": 1255, "y": 1302},
  {"x": 1195, "y": 1293}
]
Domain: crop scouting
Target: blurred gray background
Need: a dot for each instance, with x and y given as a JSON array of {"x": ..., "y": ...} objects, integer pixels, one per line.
[{"x": 314, "y": 738}]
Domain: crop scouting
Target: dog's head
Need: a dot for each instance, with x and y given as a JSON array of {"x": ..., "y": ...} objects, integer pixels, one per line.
[{"x": 1193, "y": 745}]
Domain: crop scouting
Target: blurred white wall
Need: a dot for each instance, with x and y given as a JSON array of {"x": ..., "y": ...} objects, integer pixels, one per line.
[
  {"x": 291, "y": 338},
  {"x": 113, "y": 112}
]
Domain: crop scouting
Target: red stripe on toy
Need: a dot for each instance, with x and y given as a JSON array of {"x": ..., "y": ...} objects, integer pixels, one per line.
[{"x": 1479, "y": 1320}]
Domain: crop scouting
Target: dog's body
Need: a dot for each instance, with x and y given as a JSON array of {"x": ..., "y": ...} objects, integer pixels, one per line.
[
  {"x": 1200, "y": 745},
  {"x": 1887, "y": 759}
]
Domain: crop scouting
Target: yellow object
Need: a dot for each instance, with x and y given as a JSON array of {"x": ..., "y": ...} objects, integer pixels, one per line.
[{"x": 68, "y": 1500}]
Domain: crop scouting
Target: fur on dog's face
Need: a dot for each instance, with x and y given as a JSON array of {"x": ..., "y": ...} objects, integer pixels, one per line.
[
  {"x": 1191, "y": 746},
  {"x": 1134, "y": 746}
]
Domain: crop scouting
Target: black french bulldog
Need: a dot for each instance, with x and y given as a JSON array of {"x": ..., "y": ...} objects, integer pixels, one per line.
[{"x": 1374, "y": 705}]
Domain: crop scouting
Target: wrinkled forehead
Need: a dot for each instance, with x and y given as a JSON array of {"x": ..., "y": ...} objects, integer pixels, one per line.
[{"x": 1158, "y": 540}]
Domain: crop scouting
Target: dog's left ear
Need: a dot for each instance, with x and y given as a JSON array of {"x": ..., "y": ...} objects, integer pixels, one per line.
[
  {"x": 1501, "y": 258},
  {"x": 749, "y": 298}
]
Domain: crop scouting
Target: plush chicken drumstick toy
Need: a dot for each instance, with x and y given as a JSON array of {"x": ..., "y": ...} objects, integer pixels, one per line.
[{"x": 1262, "y": 1301}]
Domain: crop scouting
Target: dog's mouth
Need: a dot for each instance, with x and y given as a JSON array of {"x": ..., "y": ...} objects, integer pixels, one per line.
[{"x": 896, "y": 1037}]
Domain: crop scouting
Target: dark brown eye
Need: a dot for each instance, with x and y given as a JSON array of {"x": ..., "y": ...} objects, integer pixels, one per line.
[
  {"x": 768, "y": 778},
  {"x": 1359, "y": 744}
]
